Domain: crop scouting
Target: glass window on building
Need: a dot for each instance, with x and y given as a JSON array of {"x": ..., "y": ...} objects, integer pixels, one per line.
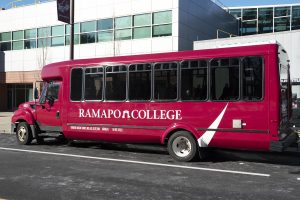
[
  {"x": 18, "y": 35},
  {"x": 18, "y": 45},
  {"x": 86, "y": 38},
  {"x": 76, "y": 28},
  {"x": 142, "y": 20},
  {"x": 104, "y": 36},
  {"x": 88, "y": 26},
  {"x": 282, "y": 11},
  {"x": 5, "y": 46},
  {"x": 44, "y": 42},
  {"x": 237, "y": 13},
  {"x": 30, "y": 44},
  {"x": 44, "y": 32},
  {"x": 76, "y": 39},
  {"x": 124, "y": 34},
  {"x": 142, "y": 32},
  {"x": 249, "y": 14},
  {"x": 249, "y": 27},
  {"x": 30, "y": 33},
  {"x": 162, "y": 17},
  {"x": 282, "y": 24},
  {"x": 123, "y": 22},
  {"x": 162, "y": 30},
  {"x": 57, "y": 30},
  {"x": 58, "y": 41},
  {"x": 105, "y": 24},
  {"x": 296, "y": 18},
  {"x": 265, "y": 20},
  {"x": 5, "y": 36}
]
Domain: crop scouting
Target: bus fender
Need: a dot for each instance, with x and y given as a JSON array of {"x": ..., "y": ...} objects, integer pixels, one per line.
[
  {"x": 23, "y": 115},
  {"x": 176, "y": 127}
]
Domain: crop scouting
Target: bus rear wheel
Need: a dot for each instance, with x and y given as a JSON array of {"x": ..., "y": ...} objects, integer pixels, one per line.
[
  {"x": 182, "y": 146},
  {"x": 24, "y": 135}
]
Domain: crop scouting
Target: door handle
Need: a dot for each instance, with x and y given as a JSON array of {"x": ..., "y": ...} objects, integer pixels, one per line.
[{"x": 57, "y": 115}]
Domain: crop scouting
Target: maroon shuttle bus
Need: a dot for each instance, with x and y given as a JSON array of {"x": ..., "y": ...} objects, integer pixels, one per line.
[{"x": 233, "y": 98}]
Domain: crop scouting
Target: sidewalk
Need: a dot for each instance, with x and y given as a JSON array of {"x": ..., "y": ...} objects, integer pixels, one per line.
[{"x": 5, "y": 122}]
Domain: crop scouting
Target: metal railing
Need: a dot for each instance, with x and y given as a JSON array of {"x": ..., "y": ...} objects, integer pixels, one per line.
[{"x": 224, "y": 32}]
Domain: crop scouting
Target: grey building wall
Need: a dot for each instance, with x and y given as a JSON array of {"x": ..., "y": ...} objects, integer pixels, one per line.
[{"x": 200, "y": 19}]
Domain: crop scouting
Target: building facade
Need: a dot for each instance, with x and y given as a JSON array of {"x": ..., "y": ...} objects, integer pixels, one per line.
[
  {"x": 31, "y": 36},
  {"x": 263, "y": 24},
  {"x": 267, "y": 19}
]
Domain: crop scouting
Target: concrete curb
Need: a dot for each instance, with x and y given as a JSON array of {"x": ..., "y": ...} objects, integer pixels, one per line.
[{"x": 5, "y": 122}]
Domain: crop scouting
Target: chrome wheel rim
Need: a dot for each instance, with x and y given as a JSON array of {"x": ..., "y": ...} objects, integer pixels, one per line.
[
  {"x": 22, "y": 133},
  {"x": 181, "y": 146}
]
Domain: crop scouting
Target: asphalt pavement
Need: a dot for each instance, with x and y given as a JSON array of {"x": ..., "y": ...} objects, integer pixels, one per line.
[{"x": 95, "y": 170}]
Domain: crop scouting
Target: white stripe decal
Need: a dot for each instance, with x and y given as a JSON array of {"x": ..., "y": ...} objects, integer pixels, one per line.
[{"x": 205, "y": 139}]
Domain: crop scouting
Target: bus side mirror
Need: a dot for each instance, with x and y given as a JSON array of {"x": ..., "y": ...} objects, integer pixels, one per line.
[{"x": 36, "y": 93}]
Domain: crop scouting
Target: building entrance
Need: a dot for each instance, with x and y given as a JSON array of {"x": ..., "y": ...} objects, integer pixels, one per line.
[{"x": 17, "y": 94}]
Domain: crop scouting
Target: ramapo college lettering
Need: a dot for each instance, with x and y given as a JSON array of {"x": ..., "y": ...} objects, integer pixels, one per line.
[{"x": 134, "y": 114}]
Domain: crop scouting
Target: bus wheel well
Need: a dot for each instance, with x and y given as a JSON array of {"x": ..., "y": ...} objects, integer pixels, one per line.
[{"x": 174, "y": 131}]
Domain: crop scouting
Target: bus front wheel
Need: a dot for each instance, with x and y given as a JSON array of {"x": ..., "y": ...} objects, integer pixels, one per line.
[
  {"x": 24, "y": 135},
  {"x": 182, "y": 146}
]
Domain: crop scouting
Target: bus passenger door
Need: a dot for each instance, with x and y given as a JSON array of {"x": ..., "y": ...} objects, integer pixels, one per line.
[{"x": 48, "y": 110}]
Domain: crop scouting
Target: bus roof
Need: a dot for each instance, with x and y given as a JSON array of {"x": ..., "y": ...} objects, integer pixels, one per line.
[{"x": 55, "y": 70}]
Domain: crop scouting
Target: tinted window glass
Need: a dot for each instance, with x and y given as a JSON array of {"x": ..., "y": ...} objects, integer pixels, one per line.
[
  {"x": 76, "y": 84},
  {"x": 115, "y": 88},
  {"x": 142, "y": 20},
  {"x": 194, "y": 80},
  {"x": 252, "y": 78},
  {"x": 30, "y": 33},
  {"x": 225, "y": 79},
  {"x": 140, "y": 82},
  {"x": 5, "y": 36},
  {"x": 165, "y": 81},
  {"x": 104, "y": 24},
  {"x": 53, "y": 90},
  {"x": 93, "y": 83},
  {"x": 162, "y": 30},
  {"x": 162, "y": 17},
  {"x": 123, "y": 22}
]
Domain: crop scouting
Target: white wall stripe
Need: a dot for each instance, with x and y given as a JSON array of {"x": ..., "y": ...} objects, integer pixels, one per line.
[{"x": 137, "y": 162}]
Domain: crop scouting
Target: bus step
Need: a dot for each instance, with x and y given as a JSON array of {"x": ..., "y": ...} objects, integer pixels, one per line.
[{"x": 292, "y": 140}]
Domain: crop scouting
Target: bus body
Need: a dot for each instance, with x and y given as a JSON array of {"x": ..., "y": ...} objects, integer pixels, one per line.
[{"x": 233, "y": 98}]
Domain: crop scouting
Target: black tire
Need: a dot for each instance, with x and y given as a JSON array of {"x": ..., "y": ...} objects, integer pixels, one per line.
[
  {"x": 24, "y": 135},
  {"x": 182, "y": 146}
]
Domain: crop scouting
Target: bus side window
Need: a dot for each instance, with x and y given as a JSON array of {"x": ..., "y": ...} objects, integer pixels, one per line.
[
  {"x": 140, "y": 82},
  {"x": 115, "y": 83},
  {"x": 225, "y": 79},
  {"x": 76, "y": 84},
  {"x": 194, "y": 80},
  {"x": 252, "y": 78},
  {"x": 93, "y": 86},
  {"x": 165, "y": 81}
]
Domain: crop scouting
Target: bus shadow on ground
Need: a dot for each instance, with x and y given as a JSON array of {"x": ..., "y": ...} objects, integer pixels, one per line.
[
  {"x": 108, "y": 146},
  {"x": 286, "y": 158},
  {"x": 212, "y": 155}
]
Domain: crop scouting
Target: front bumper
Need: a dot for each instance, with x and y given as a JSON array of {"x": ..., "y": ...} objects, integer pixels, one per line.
[{"x": 13, "y": 128}]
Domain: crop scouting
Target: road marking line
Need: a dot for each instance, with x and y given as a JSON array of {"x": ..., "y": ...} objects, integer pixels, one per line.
[
  {"x": 298, "y": 179},
  {"x": 138, "y": 162}
]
